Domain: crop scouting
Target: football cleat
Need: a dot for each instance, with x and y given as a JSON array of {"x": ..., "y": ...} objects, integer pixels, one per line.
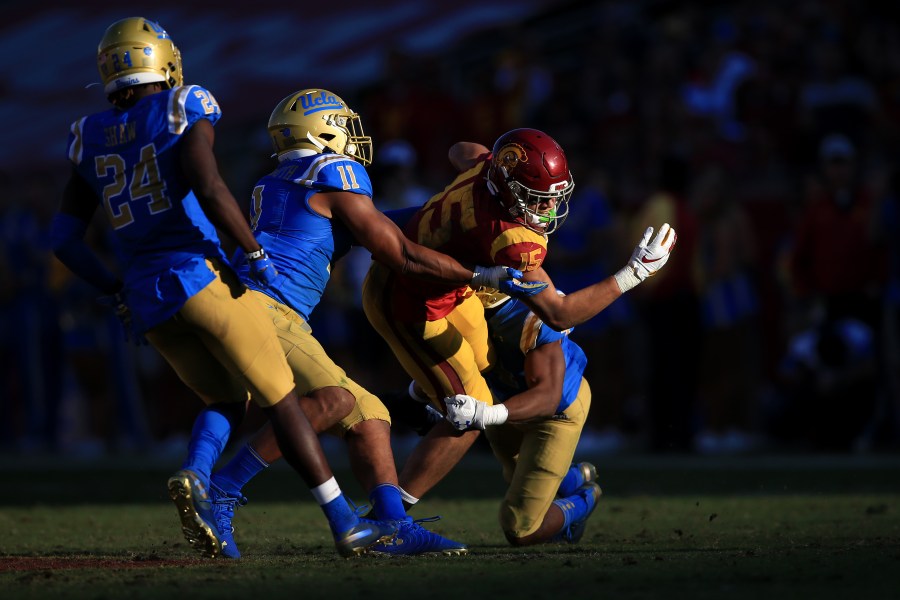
[
  {"x": 572, "y": 534},
  {"x": 366, "y": 533},
  {"x": 588, "y": 471},
  {"x": 198, "y": 523},
  {"x": 585, "y": 472},
  {"x": 224, "y": 505},
  {"x": 413, "y": 539}
]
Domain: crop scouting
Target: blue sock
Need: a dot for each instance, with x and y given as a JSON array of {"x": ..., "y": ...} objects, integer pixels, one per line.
[
  {"x": 208, "y": 439},
  {"x": 574, "y": 507},
  {"x": 387, "y": 502},
  {"x": 571, "y": 482},
  {"x": 243, "y": 467},
  {"x": 340, "y": 516}
]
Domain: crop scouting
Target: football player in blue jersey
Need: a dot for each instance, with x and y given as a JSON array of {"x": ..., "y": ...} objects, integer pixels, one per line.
[
  {"x": 538, "y": 378},
  {"x": 149, "y": 162},
  {"x": 541, "y": 405},
  {"x": 307, "y": 212}
]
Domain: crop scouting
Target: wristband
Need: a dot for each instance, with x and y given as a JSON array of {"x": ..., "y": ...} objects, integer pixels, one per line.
[
  {"x": 256, "y": 255},
  {"x": 494, "y": 415},
  {"x": 626, "y": 278}
]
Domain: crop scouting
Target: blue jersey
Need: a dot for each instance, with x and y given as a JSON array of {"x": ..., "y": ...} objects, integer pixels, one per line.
[
  {"x": 302, "y": 243},
  {"x": 514, "y": 331},
  {"x": 130, "y": 159}
]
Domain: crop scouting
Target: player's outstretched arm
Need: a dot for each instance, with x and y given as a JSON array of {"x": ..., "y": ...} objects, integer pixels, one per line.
[
  {"x": 198, "y": 161},
  {"x": 387, "y": 243},
  {"x": 562, "y": 312}
]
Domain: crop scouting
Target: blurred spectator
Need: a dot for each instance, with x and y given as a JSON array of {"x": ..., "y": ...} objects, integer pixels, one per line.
[
  {"x": 837, "y": 270},
  {"x": 30, "y": 335},
  {"x": 728, "y": 295},
  {"x": 712, "y": 91},
  {"x": 395, "y": 168},
  {"x": 668, "y": 308},
  {"x": 833, "y": 99},
  {"x": 836, "y": 265},
  {"x": 829, "y": 376},
  {"x": 586, "y": 249}
]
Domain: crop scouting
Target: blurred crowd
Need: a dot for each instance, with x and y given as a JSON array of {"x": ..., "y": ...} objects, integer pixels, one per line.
[{"x": 766, "y": 133}]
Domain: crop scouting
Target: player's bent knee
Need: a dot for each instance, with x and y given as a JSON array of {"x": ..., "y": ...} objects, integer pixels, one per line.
[
  {"x": 334, "y": 401},
  {"x": 513, "y": 539}
]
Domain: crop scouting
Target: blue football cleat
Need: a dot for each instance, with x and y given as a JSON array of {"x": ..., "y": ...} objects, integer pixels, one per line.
[
  {"x": 198, "y": 522},
  {"x": 365, "y": 534},
  {"x": 572, "y": 534},
  {"x": 224, "y": 505},
  {"x": 413, "y": 539}
]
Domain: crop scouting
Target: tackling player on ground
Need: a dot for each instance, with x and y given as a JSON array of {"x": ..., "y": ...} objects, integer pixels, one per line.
[{"x": 538, "y": 377}]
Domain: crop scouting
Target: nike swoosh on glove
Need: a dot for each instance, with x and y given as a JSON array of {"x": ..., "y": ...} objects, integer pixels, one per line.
[{"x": 648, "y": 257}]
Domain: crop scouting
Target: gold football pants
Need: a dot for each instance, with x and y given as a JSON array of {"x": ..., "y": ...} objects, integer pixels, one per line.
[
  {"x": 446, "y": 356},
  {"x": 535, "y": 457},
  {"x": 313, "y": 369},
  {"x": 221, "y": 344}
]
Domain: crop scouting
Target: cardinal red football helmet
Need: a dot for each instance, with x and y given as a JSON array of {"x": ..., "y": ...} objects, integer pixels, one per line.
[{"x": 530, "y": 176}]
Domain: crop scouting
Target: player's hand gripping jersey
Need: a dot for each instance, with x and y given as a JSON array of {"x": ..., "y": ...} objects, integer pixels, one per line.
[
  {"x": 303, "y": 243},
  {"x": 128, "y": 159},
  {"x": 466, "y": 222}
]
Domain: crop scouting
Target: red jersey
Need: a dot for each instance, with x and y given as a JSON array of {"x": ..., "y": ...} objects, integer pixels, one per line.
[
  {"x": 466, "y": 222},
  {"x": 833, "y": 251}
]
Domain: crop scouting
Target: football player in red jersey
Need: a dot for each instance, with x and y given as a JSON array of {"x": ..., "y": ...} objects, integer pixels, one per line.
[{"x": 498, "y": 211}]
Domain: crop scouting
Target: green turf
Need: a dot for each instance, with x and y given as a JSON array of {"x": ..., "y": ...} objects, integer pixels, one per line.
[{"x": 767, "y": 529}]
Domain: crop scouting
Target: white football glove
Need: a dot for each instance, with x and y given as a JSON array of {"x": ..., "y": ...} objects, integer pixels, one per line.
[
  {"x": 465, "y": 412},
  {"x": 648, "y": 257}
]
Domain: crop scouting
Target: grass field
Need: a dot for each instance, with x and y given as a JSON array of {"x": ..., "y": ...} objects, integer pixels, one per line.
[{"x": 667, "y": 527}]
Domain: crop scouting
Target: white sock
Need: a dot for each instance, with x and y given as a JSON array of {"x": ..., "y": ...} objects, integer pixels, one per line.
[
  {"x": 326, "y": 492},
  {"x": 407, "y": 497}
]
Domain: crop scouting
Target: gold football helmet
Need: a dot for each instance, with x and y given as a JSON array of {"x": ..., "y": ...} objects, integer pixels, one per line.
[
  {"x": 316, "y": 120},
  {"x": 134, "y": 51}
]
